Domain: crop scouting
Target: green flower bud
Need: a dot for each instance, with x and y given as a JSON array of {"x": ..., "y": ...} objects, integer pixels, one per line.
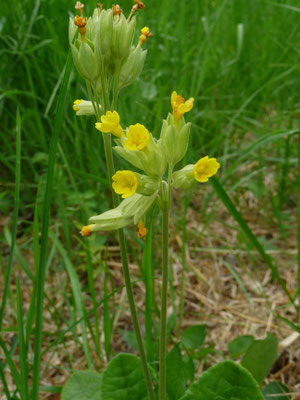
[
  {"x": 175, "y": 139},
  {"x": 132, "y": 66},
  {"x": 184, "y": 178},
  {"x": 89, "y": 61},
  {"x": 123, "y": 32},
  {"x": 105, "y": 32}
]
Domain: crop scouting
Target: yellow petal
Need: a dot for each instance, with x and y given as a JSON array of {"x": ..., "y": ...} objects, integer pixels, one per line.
[{"x": 205, "y": 168}]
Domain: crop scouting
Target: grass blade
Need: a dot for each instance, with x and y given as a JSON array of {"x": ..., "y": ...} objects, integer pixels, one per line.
[
  {"x": 239, "y": 281},
  {"x": 298, "y": 216},
  {"x": 40, "y": 279},
  {"x": 94, "y": 299},
  {"x": 76, "y": 294},
  {"x": 220, "y": 191},
  {"x": 15, "y": 218},
  {"x": 14, "y": 372},
  {"x": 107, "y": 325},
  {"x": 148, "y": 278},
  {"x": 3, "y": 380},
  {"x": 22, "y": 347}
]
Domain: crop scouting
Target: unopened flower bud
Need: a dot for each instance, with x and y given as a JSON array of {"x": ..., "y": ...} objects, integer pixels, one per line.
[
  {"x": 105, "y": 32},
  {"x": 131, "y": 67},
  {"x": 123, "y": 32}
]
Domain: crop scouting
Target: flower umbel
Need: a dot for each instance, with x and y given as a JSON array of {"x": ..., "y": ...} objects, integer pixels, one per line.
[
  {"x": 125, "y": 183},
  {"x": 142, "y": 232},
  {"x": 180, "y": 106},
  {"x": 205, "y": 168},
  {"x": 137, "y": 137},
  {"x": 110, "y": 122}
]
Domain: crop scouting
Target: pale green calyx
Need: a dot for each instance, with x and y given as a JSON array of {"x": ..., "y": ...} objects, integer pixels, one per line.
[
  {"x": 105, "y": 33},
  {"x": 184, "y": 178},
  {"x": 175, "y": 138},
  {"x": 147, "y": 185},
  {"x": 152, "y": 160},
  {"x": 130, "y": 210},
  {"x": 123, "y": 32},
  {"x": 132, "y": 66}
]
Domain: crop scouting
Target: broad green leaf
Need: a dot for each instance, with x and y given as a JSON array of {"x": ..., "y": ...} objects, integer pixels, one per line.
[
  {"x": 260, "y": 357},
  {"x": 224, "y": 381},
  {"x": 123, "y": 379},
  {"x": 274, "y": 388},
  {"x": 82, "y": 385},
  {"x": 238, "y": 346},
  {"x": 193, "y": 337},
  {"x": 175, "y": 374}
]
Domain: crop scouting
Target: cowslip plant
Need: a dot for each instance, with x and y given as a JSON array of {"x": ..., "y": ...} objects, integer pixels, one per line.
[
  {"x": 104, "y": 56},
  {"x": 155, "y": 158}
]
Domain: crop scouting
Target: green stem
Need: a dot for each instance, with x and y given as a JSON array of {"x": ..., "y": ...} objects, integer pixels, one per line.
[
  {"x": 164, "y": 297},
  {"x": 116, "y": 84},
  {"x": 124, "y": 258},
  {"x": 298, "y": 224},
  {"x": 183, "y": 261}
]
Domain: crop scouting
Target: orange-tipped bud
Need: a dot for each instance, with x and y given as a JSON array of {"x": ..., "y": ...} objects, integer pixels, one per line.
[
  {"x": 117, "y": 10},
  {"x": 145, "y": 34},
  {"x": 86, "y": 230},
  {"x": 142, "y": 233},
  {"x": 139, "y": 4},
  {"x": 80, "y": 21}
]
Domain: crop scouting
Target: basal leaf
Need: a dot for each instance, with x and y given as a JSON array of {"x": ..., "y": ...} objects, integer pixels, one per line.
[
  {"x": 275, "y": 388},
  {"x": 123, "y": 379},
  {"x": 238, "y": 346},
  {"x": 193, "y": 337},
  {"x": 82, "y": 385},
  {"x": 175, "y": 374},
  {"x": 224, "y": 381},
  {"x": 260, "y": 357}
]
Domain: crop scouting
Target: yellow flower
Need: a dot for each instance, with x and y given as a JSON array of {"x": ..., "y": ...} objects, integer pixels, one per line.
[
  {"x": 142, "y": 233},
  {"x": 180, "y": 106},
  {"x": 110, "y": 122},
  {"x": 138, "y": 137},
  {"x": 125, "y": 183},
  {"x": 205, "y": 168},
  {"x": 76, "y": 102}
]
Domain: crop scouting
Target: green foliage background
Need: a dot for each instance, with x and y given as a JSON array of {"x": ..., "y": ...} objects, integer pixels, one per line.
[{"x": 238, "y": 58}]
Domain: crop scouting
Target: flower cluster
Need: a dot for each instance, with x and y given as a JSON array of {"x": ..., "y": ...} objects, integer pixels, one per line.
[
  {"x": 102, "y": 46},
  {"x": 137, "y": 145}
]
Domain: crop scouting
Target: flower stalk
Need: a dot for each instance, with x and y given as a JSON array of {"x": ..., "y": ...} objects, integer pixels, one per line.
[{"x": 164, "y": 298}]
